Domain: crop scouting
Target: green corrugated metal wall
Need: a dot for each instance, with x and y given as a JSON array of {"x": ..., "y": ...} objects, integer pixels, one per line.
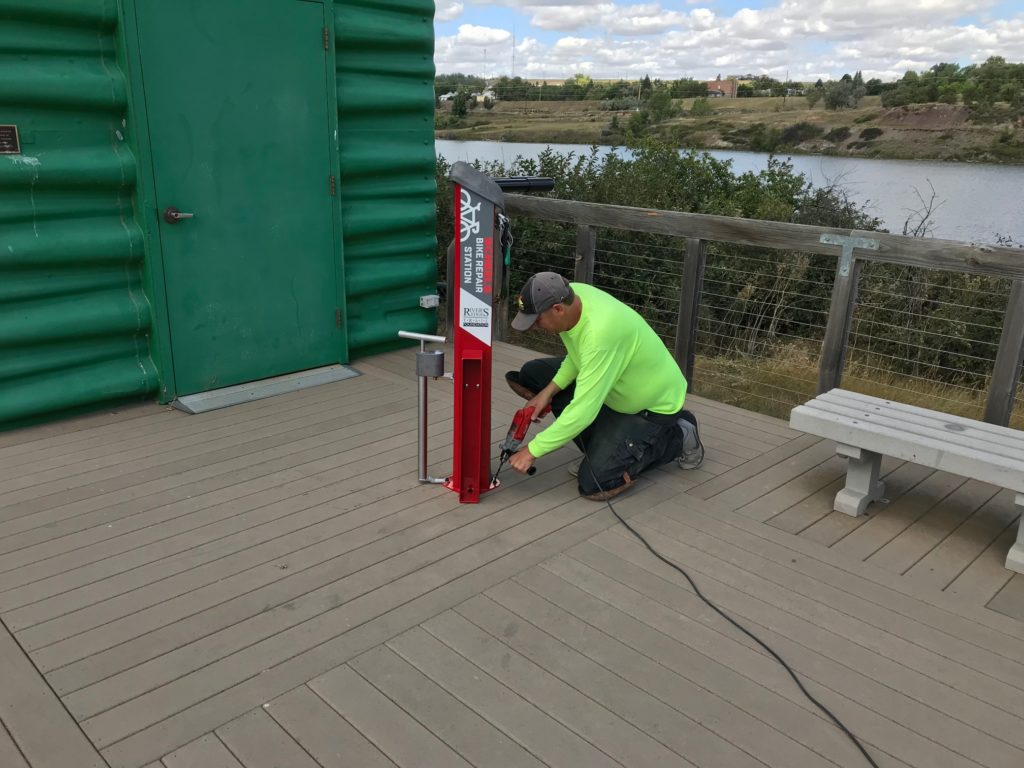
[
  {"x": 386, "y": 132},
  {"x": 73, "y": 314},
  {"x": 75, "y": 319}
]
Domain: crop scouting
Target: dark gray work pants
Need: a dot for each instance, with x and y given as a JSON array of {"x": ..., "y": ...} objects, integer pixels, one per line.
[{"x": 614, "y": 443}]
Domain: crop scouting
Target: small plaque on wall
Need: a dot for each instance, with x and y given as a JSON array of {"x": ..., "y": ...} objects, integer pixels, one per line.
[{"x": 9, "y": 144}]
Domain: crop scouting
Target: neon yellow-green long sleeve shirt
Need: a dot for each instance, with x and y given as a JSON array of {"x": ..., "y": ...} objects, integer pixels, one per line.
[{"x": 617, "y": 360}]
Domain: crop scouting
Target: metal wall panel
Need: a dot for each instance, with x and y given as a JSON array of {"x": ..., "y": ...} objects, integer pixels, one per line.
[
  {"x": 385, "y": 53},
  {"x": 76, "y": 324},
  {"x": 74, "y": 318}
]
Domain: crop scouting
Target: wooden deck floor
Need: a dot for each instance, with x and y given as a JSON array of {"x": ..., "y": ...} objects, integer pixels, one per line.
[{"x": 269, "y": 585}]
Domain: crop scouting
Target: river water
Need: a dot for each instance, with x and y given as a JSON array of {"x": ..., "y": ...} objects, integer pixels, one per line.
[{"x": 972, "y": 202}]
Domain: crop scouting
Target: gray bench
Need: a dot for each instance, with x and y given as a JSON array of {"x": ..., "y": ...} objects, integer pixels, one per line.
[{"x": 867, "y": 428}]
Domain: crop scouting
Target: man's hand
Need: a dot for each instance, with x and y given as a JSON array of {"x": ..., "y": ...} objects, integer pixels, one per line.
[
  {"x": 522, "y": 460},
  {"x": 541, "y": 400}
]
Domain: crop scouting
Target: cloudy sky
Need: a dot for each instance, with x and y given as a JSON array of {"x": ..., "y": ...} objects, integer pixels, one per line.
[{"x": 808, "y": 39}]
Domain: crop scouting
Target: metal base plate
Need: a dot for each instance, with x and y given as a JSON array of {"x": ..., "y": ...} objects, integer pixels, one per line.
[{"x": 211, "y": 400}]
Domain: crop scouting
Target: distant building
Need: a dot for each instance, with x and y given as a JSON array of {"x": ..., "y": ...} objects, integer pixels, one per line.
[{"x": 719, "y": 88}]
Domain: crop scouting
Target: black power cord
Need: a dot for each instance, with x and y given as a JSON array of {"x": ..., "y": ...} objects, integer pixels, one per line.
[{"x": 733, "y": 621}]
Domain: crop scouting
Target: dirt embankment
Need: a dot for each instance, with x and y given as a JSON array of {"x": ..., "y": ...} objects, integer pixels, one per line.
[{"x": 921, "y": 131}]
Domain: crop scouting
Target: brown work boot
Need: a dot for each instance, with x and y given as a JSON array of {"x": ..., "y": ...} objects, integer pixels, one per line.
[
  {"x": 612, "y": 493},
  {"x": 512, "y": 377}
]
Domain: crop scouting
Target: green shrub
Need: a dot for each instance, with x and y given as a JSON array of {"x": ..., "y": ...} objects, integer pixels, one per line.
[
  {"x": 838, "y": 135},
  {"x": 869, "y": 134},
  {"x": 799, "y": 133},
  {"x": 701, "y": 108}
]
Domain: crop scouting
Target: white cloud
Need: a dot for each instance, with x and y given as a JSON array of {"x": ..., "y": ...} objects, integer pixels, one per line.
[
  {"x": 683, "y": 38},
  {"x": 447, "y": 10},
  {"x": 568, "y": 18},
  {"x": 470, "y": 34}
]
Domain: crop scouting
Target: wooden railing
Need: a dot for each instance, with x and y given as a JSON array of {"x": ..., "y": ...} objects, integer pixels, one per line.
[{"x": 850, "y": 247}]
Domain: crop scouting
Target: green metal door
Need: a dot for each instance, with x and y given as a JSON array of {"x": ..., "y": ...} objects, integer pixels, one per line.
[{"x": 237, "y": 101}]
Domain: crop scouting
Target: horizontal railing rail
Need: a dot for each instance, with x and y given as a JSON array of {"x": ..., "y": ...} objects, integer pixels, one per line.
[{"x": 851, "y": 248}]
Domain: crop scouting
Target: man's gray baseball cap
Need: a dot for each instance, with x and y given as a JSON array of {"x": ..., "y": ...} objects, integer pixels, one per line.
[{"x": 541, "y": 292}]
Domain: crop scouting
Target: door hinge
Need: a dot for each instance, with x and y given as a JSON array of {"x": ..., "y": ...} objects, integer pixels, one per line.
[
  {"x": 337, "y": 317},
  {"x": 327, "y": 39},
  {"x": 334, "y": 186}
]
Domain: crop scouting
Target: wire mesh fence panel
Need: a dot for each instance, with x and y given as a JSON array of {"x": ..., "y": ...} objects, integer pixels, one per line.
[
  {"x": 541, "y": 246},
  {"x": 926, "y": 337},
  {"x": 761, "y": 326}
]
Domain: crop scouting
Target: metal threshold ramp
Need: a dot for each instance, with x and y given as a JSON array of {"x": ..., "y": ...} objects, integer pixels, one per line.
[{"x": 211, "y": 400}]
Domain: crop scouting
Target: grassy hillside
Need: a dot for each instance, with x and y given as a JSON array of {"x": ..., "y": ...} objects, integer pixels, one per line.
[{"x": 923, "y": 131}]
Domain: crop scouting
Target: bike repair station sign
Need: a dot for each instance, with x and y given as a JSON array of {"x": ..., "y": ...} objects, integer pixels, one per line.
[{"x": 476, "y": 265}]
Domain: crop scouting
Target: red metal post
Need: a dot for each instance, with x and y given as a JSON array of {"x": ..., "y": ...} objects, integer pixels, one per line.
[{"x": 473, "y": 297}]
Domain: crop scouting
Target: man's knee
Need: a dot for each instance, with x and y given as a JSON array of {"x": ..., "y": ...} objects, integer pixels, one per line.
[
  {"x": 537, "y": 374},
  {"x": 594, "y": 480}
]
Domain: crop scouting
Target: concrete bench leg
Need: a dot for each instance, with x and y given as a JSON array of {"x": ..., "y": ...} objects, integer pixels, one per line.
[
  {"x": 862, "y": 483},
  {"x": 1015, "y": 560}
]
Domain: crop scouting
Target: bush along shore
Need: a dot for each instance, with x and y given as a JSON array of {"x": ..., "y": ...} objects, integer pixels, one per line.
[
  {"x": 929, "y": 131},
  {"x": 930, "y": 334}
]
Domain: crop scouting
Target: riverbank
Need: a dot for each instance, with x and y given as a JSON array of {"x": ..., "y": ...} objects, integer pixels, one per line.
[{"x": 920, "y": 132}]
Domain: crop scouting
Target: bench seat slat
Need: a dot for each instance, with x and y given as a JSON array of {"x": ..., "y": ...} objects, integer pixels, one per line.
[
  {"x": 999, "y": 434},
  {"x": 1004, "y": 471},
  {"x": 958, "y": 439}
]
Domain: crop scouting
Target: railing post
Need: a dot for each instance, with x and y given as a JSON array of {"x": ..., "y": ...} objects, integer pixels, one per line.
[
  {"x": 502, "y": 320},
  {"x": 586, "y": 244},
  {"x": 1009, "y": 358},
  {"x": 690, "y": 289},
  {"x": 840, "y": 311}
]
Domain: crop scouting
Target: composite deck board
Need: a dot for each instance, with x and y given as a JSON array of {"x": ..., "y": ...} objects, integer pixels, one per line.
[
  {"x": 31, "y": 468},
  {"x": 964, "y": 544},
  {"x": 998, "y": 683},
  {"x": 890, "y": 520},
  {"x": 33, "y": 721},
  {"x": 321, "y": 730},
  {"x": 462, "y": 729},
  {"x": 777, "y": 506},
  {"x": 370, "y": 621},
  {"x": 903, "y": 552},
  {"x": 180, "y": 536},
  {"x": 173, "y": 681},
  {"x": 190, "y": 586},
  {"x": 10, "y": 755},
  {"x": 698, "y": 661},
  {"x": 181, "y": 455},
  {"x": 520, "y": 719},
  {"x": 1010, "y": 599},
  {"x": 259, "y": 742},
  {"x": 665, "y": 706},
  {"x": 900, "y": 477},
  {"x": 37, "y": 549},
  {"x": 403, "y": 739},
  {"x": 835, "y": 664},
  {"x": 405, "y": 549},
  {"x": 229, "y": 528},
  {"x": 940, "y": 612},
  {"x": 207, "y": 751},
  {"x": 727, "y": 480},
  {"x": 987, "y": 574},
  {"x": 597, "y": 721},
  {"x": 230, "y": 463},
  {"x": 771, "y": 477}
]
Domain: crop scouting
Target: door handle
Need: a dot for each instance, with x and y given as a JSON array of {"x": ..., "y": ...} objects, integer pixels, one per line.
[{"x": 172, "y": 215}]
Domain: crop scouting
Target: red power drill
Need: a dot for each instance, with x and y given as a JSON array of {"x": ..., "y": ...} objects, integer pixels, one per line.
[{"x": 514, "y": 439}]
